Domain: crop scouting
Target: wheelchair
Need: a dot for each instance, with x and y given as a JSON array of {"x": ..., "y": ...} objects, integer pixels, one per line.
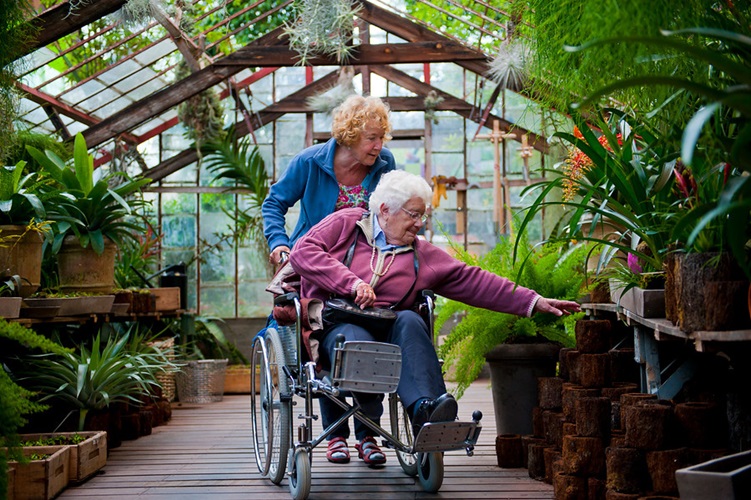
[{"x": 281, "y": 374}]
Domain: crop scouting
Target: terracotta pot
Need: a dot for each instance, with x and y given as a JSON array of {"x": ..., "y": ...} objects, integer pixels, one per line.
[
  {"x": 22, "y": 256},
  {"x": 83, "y": 270}
]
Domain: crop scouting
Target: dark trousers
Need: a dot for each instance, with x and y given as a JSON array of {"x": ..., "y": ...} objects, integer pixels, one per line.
[{"x": 421, "y": 375}]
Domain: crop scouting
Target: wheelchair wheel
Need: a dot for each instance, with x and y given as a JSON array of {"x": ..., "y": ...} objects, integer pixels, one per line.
[
  {"x": 299, "y": 477},
  {"x": 430, "y": 469},
  {"x": 270, "y": 406},
  {"x": 401, "y": 429}
]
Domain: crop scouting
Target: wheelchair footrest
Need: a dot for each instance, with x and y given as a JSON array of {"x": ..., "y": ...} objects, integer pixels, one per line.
[{"x": 446, "y": 436}]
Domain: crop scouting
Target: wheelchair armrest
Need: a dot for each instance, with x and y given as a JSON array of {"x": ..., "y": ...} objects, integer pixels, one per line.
[{"x": 286, "y": 298}]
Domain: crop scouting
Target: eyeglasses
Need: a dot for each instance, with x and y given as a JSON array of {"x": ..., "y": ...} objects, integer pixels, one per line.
[{"x": 415, "y": 216}]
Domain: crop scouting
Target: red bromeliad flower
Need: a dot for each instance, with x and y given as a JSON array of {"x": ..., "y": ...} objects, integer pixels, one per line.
[{"x": 577, "y": 164}]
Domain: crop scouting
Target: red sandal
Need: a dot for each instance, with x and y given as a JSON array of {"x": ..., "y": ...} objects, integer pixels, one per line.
[
  {"x": 369, "y": 452},
  {"x": 338, "y": 451}
]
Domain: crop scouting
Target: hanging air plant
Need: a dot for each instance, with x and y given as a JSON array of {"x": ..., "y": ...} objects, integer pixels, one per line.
[
  {"x": 323, "y": 28},
  {"x": 202, "y": 115},
  {"x": 327, "y": 101},
  {"x": 431, "y": 102},
  {"x": 509, "y": 69}
]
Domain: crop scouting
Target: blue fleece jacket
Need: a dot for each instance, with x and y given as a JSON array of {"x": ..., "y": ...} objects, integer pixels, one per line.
[{"x": 310, "y": 179}]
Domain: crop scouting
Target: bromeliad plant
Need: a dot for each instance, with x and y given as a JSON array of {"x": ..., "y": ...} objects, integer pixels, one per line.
[
  {"x": 93, "y": 204},
  {"x": 715, "y": 143},
  {"x": 617, "y": 178},
  {"x": 553, "y": 269}
]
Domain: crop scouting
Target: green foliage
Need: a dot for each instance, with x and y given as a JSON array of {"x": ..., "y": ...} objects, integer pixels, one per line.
[
  {"x": 715, "y": 125},
  {"x": 56, "y": 440},
  {"x": 15, "y": 34},
  {"x": 553, "y": 270},
  {"x": 137, "y": 255},
  {"x": 94, "y": 378},
  {"x": 19, "y": 203},
  {"x": 16, "y": 401},
  {"x": 560, "y": 76},
  {"x": 455, "y": 20},
  {"x": 87, "y": 205},
  {"x": 241, "y": 163},
  {"x": 619, "y": 190}
]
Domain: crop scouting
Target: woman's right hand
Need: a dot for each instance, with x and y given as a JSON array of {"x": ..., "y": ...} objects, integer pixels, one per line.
[
  {"x": 276, "y": 257},
  {"x": 364, "y": 295}
]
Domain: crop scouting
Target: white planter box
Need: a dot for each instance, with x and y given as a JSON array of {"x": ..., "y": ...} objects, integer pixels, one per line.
[
  {"x": 640, "y": 301},
  {"x": 728, "y": 478}
]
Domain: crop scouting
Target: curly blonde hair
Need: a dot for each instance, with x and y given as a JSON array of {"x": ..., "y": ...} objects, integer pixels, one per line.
[{"x": 351, "y": 117}]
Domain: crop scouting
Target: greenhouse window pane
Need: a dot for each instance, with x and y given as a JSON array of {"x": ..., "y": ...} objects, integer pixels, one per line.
[{"x": 214, "y": 301}]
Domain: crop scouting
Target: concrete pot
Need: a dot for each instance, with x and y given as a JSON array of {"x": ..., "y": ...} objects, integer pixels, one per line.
[{"x": 514, "y": 370}]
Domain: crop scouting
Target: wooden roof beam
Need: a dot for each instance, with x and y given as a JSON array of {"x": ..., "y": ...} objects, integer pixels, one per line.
[
  {"x": 145, "y": 109},
  {"x": 387, "y": 53},
  {"x": 258, "y": 120},
  {"x": 59, "y": 20},
  {"x": 471, "y": 113}
]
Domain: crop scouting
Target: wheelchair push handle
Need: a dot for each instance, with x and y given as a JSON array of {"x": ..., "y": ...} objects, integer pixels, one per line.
[{"x": 286, "y": 298}]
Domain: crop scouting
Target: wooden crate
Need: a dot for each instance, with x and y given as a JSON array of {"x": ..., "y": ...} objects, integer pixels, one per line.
[
  {"x": 237, "y": 379},
  {"x": 45, "y": 478},
  {"x": 167, "y": 298},
  {"x": 86, "y": 457}
]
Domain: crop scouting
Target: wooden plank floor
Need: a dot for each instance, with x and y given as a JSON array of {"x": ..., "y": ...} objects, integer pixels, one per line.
[{"x": 206, "y": 451}]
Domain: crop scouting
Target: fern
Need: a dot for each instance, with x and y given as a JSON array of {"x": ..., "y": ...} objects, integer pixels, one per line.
[{"x": 551, "y": 269}]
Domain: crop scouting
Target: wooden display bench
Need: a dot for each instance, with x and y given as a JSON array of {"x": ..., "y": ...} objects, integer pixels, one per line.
[{"x": 665, "y": 378}]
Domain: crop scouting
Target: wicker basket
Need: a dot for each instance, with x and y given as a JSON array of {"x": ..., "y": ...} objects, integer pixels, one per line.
[
  {"x": 166, "y": 379},
  {"x": 201, "y": 381}
]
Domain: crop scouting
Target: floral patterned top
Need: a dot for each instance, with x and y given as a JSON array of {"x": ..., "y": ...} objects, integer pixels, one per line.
[{"x": 352, "y": 197}]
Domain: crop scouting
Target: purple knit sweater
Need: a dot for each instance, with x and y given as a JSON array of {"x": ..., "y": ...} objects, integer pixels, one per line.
[{"x": 319, "y": 254}]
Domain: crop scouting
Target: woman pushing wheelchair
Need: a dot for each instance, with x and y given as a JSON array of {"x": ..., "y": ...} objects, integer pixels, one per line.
[{"x": 375, "y": 258}]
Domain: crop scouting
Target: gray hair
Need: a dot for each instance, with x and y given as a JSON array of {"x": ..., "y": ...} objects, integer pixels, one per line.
[{"x": 396, "y": 188}]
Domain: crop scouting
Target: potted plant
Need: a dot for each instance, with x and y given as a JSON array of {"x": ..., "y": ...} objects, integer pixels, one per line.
[
  {"x": 92, "y": 380},
  {"x": 712, "y": 177},
  {"x": 553, "y": 270},
  {"x": 94, "y": 207},
  {"x": 23, "y": 215},
  {"x": 613, "y": 189}
]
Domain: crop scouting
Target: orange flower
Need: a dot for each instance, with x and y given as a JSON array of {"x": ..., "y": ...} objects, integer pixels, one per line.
[{"x": 577, "y": 164}]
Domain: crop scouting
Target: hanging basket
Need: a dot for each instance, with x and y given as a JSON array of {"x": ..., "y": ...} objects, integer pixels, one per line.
[{"x": 201, "y": 381}]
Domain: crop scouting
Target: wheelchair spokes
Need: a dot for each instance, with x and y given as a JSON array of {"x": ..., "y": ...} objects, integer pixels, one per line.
[{"x": 271, "y": 406}]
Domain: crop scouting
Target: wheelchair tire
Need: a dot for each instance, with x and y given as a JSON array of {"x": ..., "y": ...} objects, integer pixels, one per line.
[
  {"x": 300, "y": 475},
  {"x": 430, "y": 471},
  {"x": 401, "y": 429},
  {"x": 271, "y": 406}
]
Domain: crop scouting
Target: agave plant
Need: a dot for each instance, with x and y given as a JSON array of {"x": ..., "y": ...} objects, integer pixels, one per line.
[
  {"x": 92, "y": 204},
  {"x": 94, "y": 378}
]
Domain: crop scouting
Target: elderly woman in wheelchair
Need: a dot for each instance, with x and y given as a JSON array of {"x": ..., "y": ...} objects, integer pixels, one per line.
[{"x": 375, "y": 260}]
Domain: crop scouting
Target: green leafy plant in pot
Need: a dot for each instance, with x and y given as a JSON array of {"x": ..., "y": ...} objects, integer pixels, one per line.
[
  {"x": 96, "y": 377},
  {"x": 23, "y": 225},
  {"x": 553, "y": 270},
  {"x": 94, "y": 210}
]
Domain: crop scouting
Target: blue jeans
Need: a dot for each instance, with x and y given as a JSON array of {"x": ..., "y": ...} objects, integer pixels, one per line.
[{"x": 420, "y": 377}]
